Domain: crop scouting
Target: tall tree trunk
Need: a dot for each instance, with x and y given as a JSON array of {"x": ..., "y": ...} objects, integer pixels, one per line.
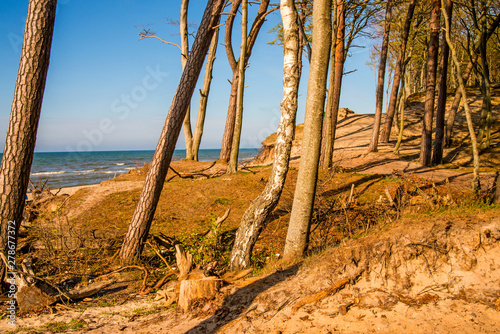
[
  {"x": 303, "y": 202},
  {"x": 381, "y": 78},
  {"x": 183, "y": 30},
  {"x": 339, "y": 70},
  {"x": 458, "y": 94},
  {"x": 325, "y": 158},
  {"x": 430, "y": 90},
  {"x": 23, "y": 123},
  {"x": 227, "y": 138},
  {"x": 205, "y": 90},
  {"x": 386, "y": 130},
  {"x": 476, "y": 185},
  {"x": 235, "y": 147},
  {"x": 153, "y": 185},
  {"x": 255, "y": 217},
  {"x": 437, "y": 156},
  {"x": 485, "y": 126}
]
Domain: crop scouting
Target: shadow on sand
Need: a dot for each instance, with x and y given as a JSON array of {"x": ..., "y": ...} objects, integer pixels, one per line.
[{"x": 237, "y": 303}]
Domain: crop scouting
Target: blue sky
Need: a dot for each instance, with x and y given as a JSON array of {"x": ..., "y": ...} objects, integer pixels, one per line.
[{"x": 107, "y": 90}]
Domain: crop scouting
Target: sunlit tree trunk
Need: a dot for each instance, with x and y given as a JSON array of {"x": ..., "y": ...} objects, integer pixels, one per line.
[
  {"x": 430, "y": 90},
  {"x": 23, "y": 123},
  {"x": 386, "y": 130},
  {"x": 235, "y": 147},
  {"x": 437, "y": 156},
  {"x": 485, "y": 126},
  {"x": 475, "y": 152},
  {"x": 338, "y": 74},
  {"x": 254, "y": 219},
  {"x": 205, "y": 90},
  {"x": 303, "y": 202},
  {"x": 325, "y": 158},
  {"x": 183, "y": 30},
  {"x": 227, "y": 138},
  {"x": 381, "y": 79},
  {"x": 153, "y": 185}
]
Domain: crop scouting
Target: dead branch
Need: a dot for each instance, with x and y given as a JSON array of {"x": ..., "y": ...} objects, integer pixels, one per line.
[
  {"x": 328, "y": 291},
  {"x": 131, "y": 267}
]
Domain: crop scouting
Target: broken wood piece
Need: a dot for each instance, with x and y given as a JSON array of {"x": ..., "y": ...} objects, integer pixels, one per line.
[
  {"x": 320, "y": 295},
  {"x": 215, "y": 230},
  {"x": 190, "y": 290},
  {"x": 184, "y": 261},
  {"x": 87, "y": 291},
  {"x": 345, "y": 307},
  {"x": 234, "y": 276},
  {"x": 389, "y": 197}
]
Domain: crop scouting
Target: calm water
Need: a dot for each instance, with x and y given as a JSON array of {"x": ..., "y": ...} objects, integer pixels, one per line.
[{"x": 64, "y": 169}]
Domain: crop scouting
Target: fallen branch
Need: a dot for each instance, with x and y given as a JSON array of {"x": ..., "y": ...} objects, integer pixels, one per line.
[
  {"x": 320, "y": 295},
  {"x": 86, "y": 291},
  {"x": 159, "y": 284},
  {"x": 131, "y": 267},
  {"x": 329, "y": 291}
]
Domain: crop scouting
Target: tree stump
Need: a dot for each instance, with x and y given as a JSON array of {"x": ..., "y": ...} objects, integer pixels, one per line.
[{"x": 190, "y": 290}]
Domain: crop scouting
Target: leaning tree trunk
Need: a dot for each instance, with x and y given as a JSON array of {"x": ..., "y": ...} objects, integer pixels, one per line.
[
  {"x": 23, "y": 123},
  {"x": 380, "y": 80},
  {"x": 437, "y": 156},
  {"x": 389, "y": 117},
  {"x": 476, "y": 185},
  {"x": 204, "y": 91},
  {"x": 183, "y": 30},
  {"x": 144, "y": 212},
  {"x": 235, "y": 147},
  {"x": 426, "y": 144},
  {"x": 303, "y": 202},
  {"x": 255, "y": 216}
]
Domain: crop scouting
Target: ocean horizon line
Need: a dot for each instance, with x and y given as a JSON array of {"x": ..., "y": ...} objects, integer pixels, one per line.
[{"x": 107, "y": 151}]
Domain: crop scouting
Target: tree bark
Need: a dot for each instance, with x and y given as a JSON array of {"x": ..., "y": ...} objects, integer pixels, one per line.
[
  {"x": 437, "y": 156},
  {"x": 325, "y": 158},
  {"x": 235, "y": 147},
  {"x": 148, "y": 200},
  {"x": 476, "y": 185},
  {"x": 485, "y": 126},
  {"x": 227, "y": 138},
  {"x": 183, "y": 30},
  {"x": 255, "y": 217},
  {"x": 389, "y": 117},
  {"x": 303, "y": 202},
  {"x": 205, "y": 90},
  {"x": 23, "y": 124},
  {"x": 338, "y": 74},
  {"x": 381, "y": 79},
  {"x": 430, "y": 90}
]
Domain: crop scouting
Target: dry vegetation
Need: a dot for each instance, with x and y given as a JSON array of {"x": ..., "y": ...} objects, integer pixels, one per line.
[{"x": 383, "y": 240}]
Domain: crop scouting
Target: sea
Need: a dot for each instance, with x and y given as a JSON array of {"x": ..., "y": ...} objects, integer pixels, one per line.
[{"x": 69, "y": 169}]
